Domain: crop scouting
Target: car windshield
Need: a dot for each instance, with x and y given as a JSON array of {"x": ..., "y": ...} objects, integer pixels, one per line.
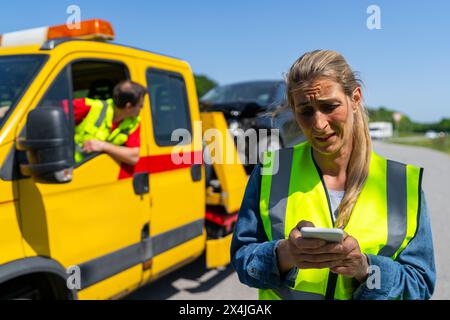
[
  {"x": 16, "y": 74},
  {"x": 263, "y": 93}
]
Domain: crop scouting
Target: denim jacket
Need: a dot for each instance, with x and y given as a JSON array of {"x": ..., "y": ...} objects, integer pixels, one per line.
[{"x": 411, "y": 275}]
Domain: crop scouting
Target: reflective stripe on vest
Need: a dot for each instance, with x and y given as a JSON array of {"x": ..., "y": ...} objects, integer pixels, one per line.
[
  {"x": 383, "y": 220},
  {"x": 396, "y": 197},
  {"x": 102, "y": 116}
]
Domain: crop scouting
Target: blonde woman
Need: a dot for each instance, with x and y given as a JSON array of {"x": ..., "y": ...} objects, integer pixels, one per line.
[{"x": 333, "y": 180}]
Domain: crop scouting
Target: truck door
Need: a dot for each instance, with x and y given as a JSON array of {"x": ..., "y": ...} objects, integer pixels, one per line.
[
  {"x": 98, "y": 221},
  {"x": 177, "y": 188},
  {"x": 16, "y": 74}
]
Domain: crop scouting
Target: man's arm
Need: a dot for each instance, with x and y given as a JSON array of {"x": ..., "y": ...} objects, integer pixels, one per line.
[{"x": 125, "y": 155}]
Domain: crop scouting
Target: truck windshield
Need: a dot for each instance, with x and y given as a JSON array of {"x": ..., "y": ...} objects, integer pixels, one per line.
[{"x": 16, "y": 74}]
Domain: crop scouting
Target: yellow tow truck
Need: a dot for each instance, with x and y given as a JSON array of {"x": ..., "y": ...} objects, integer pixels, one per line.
[{"x": 99, "y": 229}]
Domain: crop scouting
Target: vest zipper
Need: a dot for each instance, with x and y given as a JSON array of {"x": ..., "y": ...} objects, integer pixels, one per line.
[{"x": 332, "y": 277}]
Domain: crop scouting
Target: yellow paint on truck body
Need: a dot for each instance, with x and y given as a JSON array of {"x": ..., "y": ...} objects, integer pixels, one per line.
[
  {"x": 218, "y": 252},
  {"x": 227, "y": 163}
]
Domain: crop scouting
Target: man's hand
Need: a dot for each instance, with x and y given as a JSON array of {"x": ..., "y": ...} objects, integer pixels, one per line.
[{"x": 91, "y": 146}]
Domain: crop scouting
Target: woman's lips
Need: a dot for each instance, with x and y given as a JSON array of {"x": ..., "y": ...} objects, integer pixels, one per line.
[{"x": 325, "y": 138}]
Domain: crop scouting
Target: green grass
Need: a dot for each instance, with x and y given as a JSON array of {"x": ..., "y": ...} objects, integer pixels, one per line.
[{"x": 440, "y": 144}]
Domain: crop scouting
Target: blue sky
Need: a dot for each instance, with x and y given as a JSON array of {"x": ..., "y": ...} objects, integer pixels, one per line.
[{"x": 405, "y": 65}]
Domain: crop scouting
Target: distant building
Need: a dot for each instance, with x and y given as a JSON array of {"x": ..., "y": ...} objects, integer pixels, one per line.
[{"x": 381, "y": 130}]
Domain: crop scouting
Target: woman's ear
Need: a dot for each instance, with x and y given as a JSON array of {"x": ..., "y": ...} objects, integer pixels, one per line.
[{"x": 356, "y": 98}]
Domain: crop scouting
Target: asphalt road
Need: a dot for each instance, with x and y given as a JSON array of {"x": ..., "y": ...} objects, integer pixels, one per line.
[{"x": 195, "y": 282}]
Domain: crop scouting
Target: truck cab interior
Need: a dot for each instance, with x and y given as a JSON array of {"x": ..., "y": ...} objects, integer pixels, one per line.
[{"x": 97, "y": 79}]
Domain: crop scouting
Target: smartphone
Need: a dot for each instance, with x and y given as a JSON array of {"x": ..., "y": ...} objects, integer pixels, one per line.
[{"x": 329, "y": 235}]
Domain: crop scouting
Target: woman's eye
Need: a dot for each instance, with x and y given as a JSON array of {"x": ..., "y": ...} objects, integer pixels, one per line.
[
  {"x": 306, "y": 113},
  {"x": 331, "y": 107}
]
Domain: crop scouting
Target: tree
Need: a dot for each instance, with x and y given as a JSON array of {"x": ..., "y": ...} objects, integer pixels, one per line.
[
  {"x": 204, "y": 84},
  {"x": 444, "y": 125},
  {"x": 381, "y": 114}
]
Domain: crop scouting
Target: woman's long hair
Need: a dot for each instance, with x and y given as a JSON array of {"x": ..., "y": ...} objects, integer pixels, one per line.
[{"x": 332, "y": 65}]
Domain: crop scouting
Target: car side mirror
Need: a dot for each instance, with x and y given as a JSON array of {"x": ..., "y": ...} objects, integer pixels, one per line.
[{"x": 49, "y": 146}]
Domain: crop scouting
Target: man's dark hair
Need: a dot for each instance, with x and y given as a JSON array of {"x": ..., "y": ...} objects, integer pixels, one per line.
[{"x": 128, "y": 92}]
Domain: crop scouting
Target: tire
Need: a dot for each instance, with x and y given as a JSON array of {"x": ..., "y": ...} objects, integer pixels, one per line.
[
  {"x": 33, "y": 287},
  {"x": 21, "y": 290}
]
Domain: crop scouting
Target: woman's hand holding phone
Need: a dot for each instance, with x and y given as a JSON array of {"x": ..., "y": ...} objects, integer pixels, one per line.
[{"x": 342, "y": 258}]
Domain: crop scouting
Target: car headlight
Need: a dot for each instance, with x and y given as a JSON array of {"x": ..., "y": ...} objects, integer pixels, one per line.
[{"x": 234, "y": 127}]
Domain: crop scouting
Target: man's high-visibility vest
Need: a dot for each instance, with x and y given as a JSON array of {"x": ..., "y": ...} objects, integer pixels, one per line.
[
  {"x": 384, "y": 219},
  {"x": 98, "y": 125}
]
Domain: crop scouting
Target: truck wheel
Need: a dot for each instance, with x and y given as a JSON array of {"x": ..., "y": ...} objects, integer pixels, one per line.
[
  {"x": 33, "y": 287},
  {"x": 21, "y": 291}
]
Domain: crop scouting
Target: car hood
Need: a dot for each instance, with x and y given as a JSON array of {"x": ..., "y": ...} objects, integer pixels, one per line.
[{"x": 234, "y": 109}]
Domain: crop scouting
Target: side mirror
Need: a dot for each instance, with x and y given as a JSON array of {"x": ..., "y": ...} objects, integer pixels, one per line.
[{"x": 49, "y": 146}]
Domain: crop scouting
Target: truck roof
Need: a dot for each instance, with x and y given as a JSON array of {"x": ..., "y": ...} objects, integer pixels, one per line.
[{"x": 70, "y": 45}]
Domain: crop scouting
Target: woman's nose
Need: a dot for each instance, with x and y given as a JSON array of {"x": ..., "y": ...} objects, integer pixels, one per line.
[{"x": 320, "y": 121}]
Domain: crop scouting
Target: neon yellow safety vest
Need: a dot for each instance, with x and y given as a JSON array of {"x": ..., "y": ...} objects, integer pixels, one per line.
[
  {"x": 98, "y": 125},
  {"x": 384, "y": 219}
]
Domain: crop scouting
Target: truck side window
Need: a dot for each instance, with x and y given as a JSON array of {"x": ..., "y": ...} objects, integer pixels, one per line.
[
  {"x": 169, "y": 105},
  {"x": 58, "y": 94},
  {"x": 90, "y": 79}
]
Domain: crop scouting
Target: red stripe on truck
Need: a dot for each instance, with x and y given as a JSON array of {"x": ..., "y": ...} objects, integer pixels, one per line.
[{"x": 160, "y": 163}]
